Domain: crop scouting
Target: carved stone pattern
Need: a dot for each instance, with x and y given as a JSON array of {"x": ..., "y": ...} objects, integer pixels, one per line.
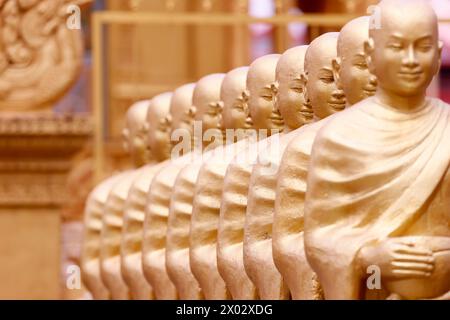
[
  {"x": 36, "y": 151},
  {"x": 40, "y": 57},
  {"x": 30, "y": 124}
]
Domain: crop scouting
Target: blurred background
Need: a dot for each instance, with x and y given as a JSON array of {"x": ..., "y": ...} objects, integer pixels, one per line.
[{"x": 140, "y": 60}]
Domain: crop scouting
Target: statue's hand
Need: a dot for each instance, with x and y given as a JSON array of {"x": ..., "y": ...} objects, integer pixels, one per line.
[{"x": 398, "y": 259}]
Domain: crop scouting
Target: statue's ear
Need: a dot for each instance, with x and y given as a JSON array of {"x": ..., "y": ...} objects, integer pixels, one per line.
[
  {"x": 274, "y": 86},
  {"x": 336, "y": 67},
  {"x": 304, "y": 81},
  {"x": 169, "y": 121},
  {"x": 192, "y": 112},
  {"x": 125, "y": 139},
  {"x": 369, "y": 47},
  {"x": 145, "y": 128},
  {"x": 221, "y": 105},
  {"x": 439, "y": 62},
  {"x": 246, "y": 95}
]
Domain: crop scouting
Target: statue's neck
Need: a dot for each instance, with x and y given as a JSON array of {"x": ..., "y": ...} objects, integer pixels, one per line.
[
  {"x": 287, "y": 129},
  {"x": 401, "y": 103},
  {"x": 139, "y": 160},
  {"x": 316, "y": 119}
]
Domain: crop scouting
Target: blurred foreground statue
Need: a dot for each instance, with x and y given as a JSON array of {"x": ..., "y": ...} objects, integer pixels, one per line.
[
  {"x": 136, "y": 134},
  {"x": 134, "y": 140},
  {"x": 205, "y": 101},
  {"x": 230, "y": 115},
  {"x": 159, "y": 142},
  {"x": 378, "y": 198}
]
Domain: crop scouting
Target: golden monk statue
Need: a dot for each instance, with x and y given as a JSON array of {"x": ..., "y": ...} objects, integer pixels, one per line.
[
  {"x": 134, "y": 143},
  {"x": 378, "y": 197},
  {"x": 260, "y": 181},
  {"x": 352, "y": 75},
  {"x": 134, "y": 213},
  {"x": 210, "y": 181},
  {"x": 234, "y": 117},
  {"x": 111, "y": 234},
  {"x": 322, "y": 94},
  {"x": 205, "y": 98}
]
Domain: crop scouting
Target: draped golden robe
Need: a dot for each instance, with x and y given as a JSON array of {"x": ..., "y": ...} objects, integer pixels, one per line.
[
  {"x": 178, "y": 230},
  {"x": 90, "y": 257},
  {"x": 257, "y": 237},
  {"x": 155, "y": 228},
  {"x": 205, "y": 218},
  {"x": 375, "y": 173},
  {"x": 133, "y": 223},
  {"x": 288, "y": 218},
  {"x": 111, "y": 235}
]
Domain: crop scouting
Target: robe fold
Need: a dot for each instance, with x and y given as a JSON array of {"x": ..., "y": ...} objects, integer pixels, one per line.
[{"x": 374, "y": 174}]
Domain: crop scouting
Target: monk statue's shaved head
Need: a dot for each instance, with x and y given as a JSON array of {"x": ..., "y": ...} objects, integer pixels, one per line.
[
  {"x": 403, "y": 49},
  {"x": 321, "y": 90},
  {"x": 351, "y": 70}
]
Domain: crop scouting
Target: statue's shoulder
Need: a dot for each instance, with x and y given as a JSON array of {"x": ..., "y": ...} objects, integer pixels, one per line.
[
  {"x": 339, "y": 123},
  {"x": 305, "y": 136},
  {"x": 123, "y": 184},
  {"x": 146, "y": 175},
  {"x": 101, "y": 191}
]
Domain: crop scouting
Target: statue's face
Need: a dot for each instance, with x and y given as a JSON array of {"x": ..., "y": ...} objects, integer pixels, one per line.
[
  {"x": 235, "y": 99},
  {"x": 206, "y": 101},
  {"x": 159, "y": 127},
  {"x": 405, "y": 54},
  {"x": 180, "y": 114},
  {"x": 354, "y": 76},
  {"x": 260, "y": 85},
  {"x": 321, "y": 89},
  {"x": 134, "y": 134},
  {"x": 290, "y": 98},
  {"x": 134, "y": 141},
  {"x": 292, "y": 104}
]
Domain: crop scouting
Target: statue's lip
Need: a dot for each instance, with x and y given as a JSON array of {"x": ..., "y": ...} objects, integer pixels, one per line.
[
  {"x": 338, "y": 105},
  {"x": 276, "y": 116},
  {"x": 410, "y": 74},
  {"x": 248, "y": 123},
  {"x": 370, "y": 89},
  {"x": 307, "y": 111},
  {"x": 415, "y": 72},
  {"x": 307, "y": 106}
]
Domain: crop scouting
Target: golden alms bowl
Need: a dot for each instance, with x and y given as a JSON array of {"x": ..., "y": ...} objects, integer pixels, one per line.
[{"x": 431, "y": 287}]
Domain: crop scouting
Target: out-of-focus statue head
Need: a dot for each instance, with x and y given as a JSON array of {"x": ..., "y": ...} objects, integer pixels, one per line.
[
  {"x": 260, "y": 86},
  {"x": 350, "y": 67},
  {"x": 321, "y": 90},
  {"x": 180, "y": 116},
  {"x": 290, "y": 100},
  {"x": 135, "y": 131},
  {"x": 234, "y": 99},
  {"x": 206, "y": 101},
  {"x": 159, "y": 126}
]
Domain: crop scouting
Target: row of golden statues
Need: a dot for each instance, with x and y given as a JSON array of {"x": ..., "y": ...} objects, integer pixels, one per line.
[{"x": 361, "y": 179}]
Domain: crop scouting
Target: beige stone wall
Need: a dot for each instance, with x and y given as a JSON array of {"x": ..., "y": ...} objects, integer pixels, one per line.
[{"x": 29, "y": 251}]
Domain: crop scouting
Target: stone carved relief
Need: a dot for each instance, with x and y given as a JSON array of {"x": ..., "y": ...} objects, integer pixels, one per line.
[
  {"x": 35, "y": 155},
  {"x": 40, "y": 57}
]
